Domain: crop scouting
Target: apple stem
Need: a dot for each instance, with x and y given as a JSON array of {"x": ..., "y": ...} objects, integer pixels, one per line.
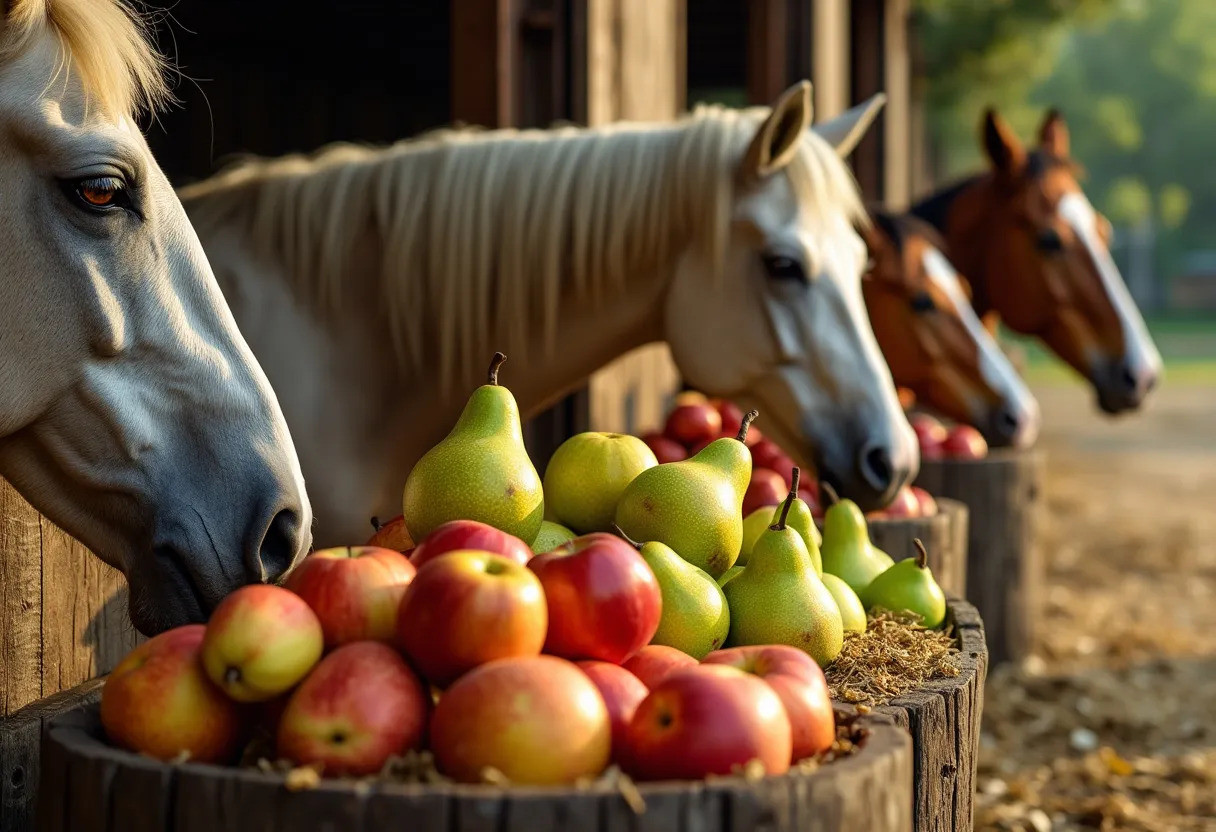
[
  {"x": 376, "y": 523},
  {"x": 826, "y": 488},
  {"x": 785, "y": 507},
  {"x": 627, "y": 538},
  {"x": 922, "y": 554},
  {"x": 746, "y": 424},
  {"x": 495, "y": 363},
  {"x": 232, "y": 675}
]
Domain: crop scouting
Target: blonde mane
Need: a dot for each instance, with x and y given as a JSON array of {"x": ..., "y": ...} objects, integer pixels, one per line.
[
  {"x": 470, "y": 226},
  {"x": 105, "y": 42}
]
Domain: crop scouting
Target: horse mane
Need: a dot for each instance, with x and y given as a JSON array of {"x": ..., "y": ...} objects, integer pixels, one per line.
[
  {"x": 473, "y": 226},
  {"x": 899, "y": 227},
  {"x": 106, "y": 42}
]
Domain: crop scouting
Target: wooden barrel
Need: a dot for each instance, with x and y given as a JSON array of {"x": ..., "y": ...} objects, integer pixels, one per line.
[
  {"x": 1002, "y": 493},
  {"x": 89, "y": 786},
  {"x": 944, "y": 535}
]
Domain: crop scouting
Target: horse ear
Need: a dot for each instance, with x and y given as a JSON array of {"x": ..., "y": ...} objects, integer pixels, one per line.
[
  {"x": 1053, "y": 134},
  {"x": 1003, "y": 148},
  {"x": 845, "y": 131},
  {"x": 776, "y": 142}
]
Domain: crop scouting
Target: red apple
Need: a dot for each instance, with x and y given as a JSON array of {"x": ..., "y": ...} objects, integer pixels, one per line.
[
  {"x": 622, "y": 692},
  {"x": 354, "y": 590},
  {"x": 964, "y": 442},
  {"x": 930, "y": 434},
  {"x": 767, "y": 488},
  {"x": 391, "y": 535},
  {"x": 691, "y": 423},
  {"x": 665, "y": 450},
  {"x": 604, "y": 600},
  {"x": 798, "y": 682},
  {"x": 538, "y": 720},
  {"x": 731, "y": 413},
  {"x": 359, "y": 707},
  {"x": 928, "y": 505},
  {"x": 655, "y": 662},
  {"x": 768, "y": 454},
  {"x": 707, "y": 720},
  {"x": 467, "y": 608},
  {"x": 469, "y": 534},
  {"x": 903, "y": 506},
  {"x": 158, "y": 701}
]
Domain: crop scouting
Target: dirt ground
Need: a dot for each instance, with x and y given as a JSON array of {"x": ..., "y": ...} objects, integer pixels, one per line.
[{"x": 1111, "y": 724}]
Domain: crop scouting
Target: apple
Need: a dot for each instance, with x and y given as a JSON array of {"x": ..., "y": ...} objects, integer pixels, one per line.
[
  {"x": 588, "y": 473},
  {"x": 622, "y": 692},
  {"x": 655, "y": 662},
  {"x": 690, "y": 397},
  {"x": 455, "y": 535},
  {"x": 707, "y": 720},
  {"x": 391, "y": 535},
  {"x": 539, "y": 720},
  {"x": 905, "y": 505},
  {"x": 604, "y": 600},
  {"x": 928, "y": 505},
  {"x": 359, "y": 707},
  {"x": 354, "y": 590},
  {"x": 964, "y": 442},
  {"x": 260, "y": 642},
  {"x": 665, "y": 450},
  {"x": 930, "y": 434},
  {"x": 467, "y": 608},
  {"x": 158, "y": 701},
  {"x": 799, "y": 684},
  {"x": 767, "y": 488},
  {"x": 731, "y": 413},
  {"x": 692, "y": 423}
]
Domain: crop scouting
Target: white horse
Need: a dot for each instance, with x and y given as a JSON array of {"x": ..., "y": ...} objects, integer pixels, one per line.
[
  {"x": 375, "y": 284},
  {"x": 133, "y": 414}
]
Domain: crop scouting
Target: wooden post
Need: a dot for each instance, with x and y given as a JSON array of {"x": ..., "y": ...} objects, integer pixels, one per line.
[
  {"x": 881, "y": 63},
  {"x": 830, "y": 48}
]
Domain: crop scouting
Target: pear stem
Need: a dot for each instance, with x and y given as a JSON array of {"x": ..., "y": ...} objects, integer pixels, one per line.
[
  {"x": 794, "y": 481},
  {"x": 376, "y": 523},
  {"x": 922, "y": 554},
  {"x": 746, "y": 424},
  {"x": 785, "y": 507},
  {"x": 626, "y": 537},
  {"x": 825, "y": 488},
  {"x": 495, "y": 363}
]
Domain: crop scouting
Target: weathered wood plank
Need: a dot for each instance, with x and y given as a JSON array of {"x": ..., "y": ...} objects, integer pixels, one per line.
[{"x": 20, "y": 601}]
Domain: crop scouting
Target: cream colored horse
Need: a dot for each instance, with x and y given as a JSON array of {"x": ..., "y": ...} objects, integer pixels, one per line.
[
  {"x": 375, "y": 284},
  {"x": 132, "y": 413}
]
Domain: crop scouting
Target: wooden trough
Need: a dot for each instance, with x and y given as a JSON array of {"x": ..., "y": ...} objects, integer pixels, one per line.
[
  {"x": 1003, "y": 494},
  {"x": 944, "y": 535}
]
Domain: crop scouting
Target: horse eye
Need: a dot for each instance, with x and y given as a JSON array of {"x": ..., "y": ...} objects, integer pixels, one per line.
[
  {"x": 923, "y": 302},
  {"x": 98, "y": 193},
  {"x": 1049, "y": 241},
  {"x": 780, "y": 267}
]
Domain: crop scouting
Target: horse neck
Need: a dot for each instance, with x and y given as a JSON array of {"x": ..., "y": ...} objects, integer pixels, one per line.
[{"x": 959, "y": 213}]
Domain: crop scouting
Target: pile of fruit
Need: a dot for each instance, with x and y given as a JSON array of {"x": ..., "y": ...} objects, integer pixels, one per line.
[
  {"x": 939, "y": 441},
  {"x": 621, "y": 611}
]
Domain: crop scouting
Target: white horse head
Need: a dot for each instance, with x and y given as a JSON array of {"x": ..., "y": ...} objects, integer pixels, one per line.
[{"x": 133, "y": 414}]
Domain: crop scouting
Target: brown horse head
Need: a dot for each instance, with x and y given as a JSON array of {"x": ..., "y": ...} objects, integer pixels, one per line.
[
  {"x": 1037, "y": 254},
  {"x": 933, "y": 341}
]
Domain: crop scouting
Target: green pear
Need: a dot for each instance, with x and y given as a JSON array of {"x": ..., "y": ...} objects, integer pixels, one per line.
[
  {"x": 778, "y": 598},
  {"x": 852, "y": 612},
  {"x": 754, "y": 525},
  {"x": 725, "y": 577},
  {"x": 588, "y": 473},
  {"x": 695, "y": 618},
  {"x": 801, "y": 521},
  {"x": 695, "y": 506},
  {"x": 551, "y": 536},
  {"x": 479, "y": 471},
  {"x": 909, "y": 586},
  {"x": 848, "y": 552}
]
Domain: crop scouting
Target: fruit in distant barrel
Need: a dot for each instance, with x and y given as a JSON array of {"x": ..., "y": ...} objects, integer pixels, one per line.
[
  {"x": 908, "y": 586},
  {"x": 467, "y": 608},
  {"x": 603, "y": 599},
  {"x": 766, "y": 488},
  {"x": 852, "y": 611},
  {"x": 847, "y": 551},
  {"x": 708, "y": 720},
  {"x": 801, "y": 686},
  {"x": 158, "y": 701},
  {"x": 551, "y": 536},
  {"x": 260, "y": 642},
  {"x": 455, "y": 535},
  {"x": 665, "y": 449},
  {"x": 767, "y": 454},
  {"x": 354, "y": 590},
  {"x": 694, "y": 616},
  {"x": 964, "y": 442},
  {"x": 903, "y": 506},
  {"x": 537, "y": 720},
  {"x": 622, "y": 693},
  {"x": 690, "y": 397},
  {"x": 479, "y": 471},
  {"x": 930, "y": 434},
  {"x": 731, "y": 415},
  {"x": 655, "y": 662},
  {"x": 588, "y": 473},
  {"x": 391, "y": 535},
  {"x": 359, "y": 707},
  {"x": 692, "y": 423},
  {"x": 928, "y": 505},
  {"x": 694, "y": 506}
]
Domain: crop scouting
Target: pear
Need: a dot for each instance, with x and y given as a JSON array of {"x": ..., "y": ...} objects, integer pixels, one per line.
[
  {"x": 588, "y": 473},
  {"x": 754, "y": 525},
  {"x": 479, "y": 471},
  {"x": 847, "y": 550},
  {"x": 695, "y": 618},
  {"x": 551, "y": 536},
  {"x": 695, "y": 506},
  {"x": 778, "y": 598},
  {"x": 801, "y": 521},
  {"x": 909, "y": 586},
  {"x": 852, "y": 612},
  {"x": 728, "y": 574}
]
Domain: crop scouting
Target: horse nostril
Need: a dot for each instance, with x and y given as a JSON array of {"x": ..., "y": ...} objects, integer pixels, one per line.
[
  {"x": 1008, "y": 423},
  {"x": 876, "y": 467},
  {"x": 279, "y": 547},
  {"x": 1131, "y": 383}
]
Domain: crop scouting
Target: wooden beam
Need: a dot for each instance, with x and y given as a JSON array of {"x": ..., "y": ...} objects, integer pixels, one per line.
[
  {"x": 867, "y": 24},
  {"x": 484, "y": 62},
  {"x": 830, "y": 57},
  {"x": 767, "y": 50}
]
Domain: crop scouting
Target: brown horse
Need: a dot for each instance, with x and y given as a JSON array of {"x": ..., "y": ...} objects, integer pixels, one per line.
[
  {"x": 933, "y": 341},
  {"x": 1037, "y": 254}
]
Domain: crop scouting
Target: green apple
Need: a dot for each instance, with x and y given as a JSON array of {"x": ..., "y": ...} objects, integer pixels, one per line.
[
  {"x": 587, "y": 475},
  {"x": 551, "y": 536}
]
